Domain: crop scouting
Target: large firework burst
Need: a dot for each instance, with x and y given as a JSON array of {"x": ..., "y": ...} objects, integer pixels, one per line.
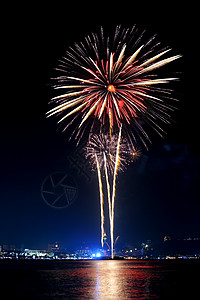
[{"x": 106, "y": 84}]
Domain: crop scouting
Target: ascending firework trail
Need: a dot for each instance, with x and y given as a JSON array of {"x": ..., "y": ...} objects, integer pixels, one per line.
[
  {"x": 108, "y": 154},
  {"x": 111, "y": 88}
]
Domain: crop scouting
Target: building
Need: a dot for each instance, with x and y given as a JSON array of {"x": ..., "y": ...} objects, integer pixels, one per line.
[{"x": 28, "y": 253}]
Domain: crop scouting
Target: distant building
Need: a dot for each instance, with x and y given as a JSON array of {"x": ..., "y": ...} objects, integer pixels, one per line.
[
  {"x": 28, "y": 253},
  {"x": 83, "y": 253}
]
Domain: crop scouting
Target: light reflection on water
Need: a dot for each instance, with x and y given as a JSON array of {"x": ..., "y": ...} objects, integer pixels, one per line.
[
  {"x": 101, "y": 280},
  {"x": 117, "y": 280},
  {"x": 107, "y": 279}
]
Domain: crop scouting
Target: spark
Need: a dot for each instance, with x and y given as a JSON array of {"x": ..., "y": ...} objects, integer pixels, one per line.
[{"x": 111, "y": 88}]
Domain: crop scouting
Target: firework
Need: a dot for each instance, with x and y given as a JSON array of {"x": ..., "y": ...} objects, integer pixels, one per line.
[
  {"x": 109, "y": 89},
  {"x": 104, "y": 148},
  {"x": 105, "y": 85}
]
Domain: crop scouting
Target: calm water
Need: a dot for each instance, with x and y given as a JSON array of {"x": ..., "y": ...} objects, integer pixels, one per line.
[{"x": 100, "y": 279}]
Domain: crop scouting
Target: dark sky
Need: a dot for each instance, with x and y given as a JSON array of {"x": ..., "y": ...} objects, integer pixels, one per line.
[{"x": 156, "y": 196}]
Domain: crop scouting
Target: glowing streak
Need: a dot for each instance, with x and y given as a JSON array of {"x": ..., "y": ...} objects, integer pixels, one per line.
[
  {"x": 119, "y": 58},
  {"x": 153, "y": 81},
  {"x": 90, "y": 111},
  {"x": 83, "y": 80},
  {"x": 117, "y": 239},
  {"x": 111, "y": 66},
  {"x": 64, "y": 106},
  {"x": 132, "y": 58},
  {"x": 158, "y": 64},
  {"x": 68, "y": 95},
  {"x": 116, "y": 106},
  {"x": 117, "y": 162},
  {"x": 103, "y": 106},
  {"x": 69, "y": 87},
  {"x": 96, "y": 66},
  {"x": 101, "y": 200},
  {"x": 108, "y": 191},
  {"x": 110, "y": 122},
  {"x": 73, "y": 111},
  {"x": 154, "y": 58},
  {"x": 91, "y": 72}
]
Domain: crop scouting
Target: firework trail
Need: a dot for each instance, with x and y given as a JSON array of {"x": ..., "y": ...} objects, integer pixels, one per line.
[
  {"x": 101, "y": 200},
  {"x": 117, "y": 162},
  {"x": 108, "y": 154},
  {"x": 108, "y": 191}
]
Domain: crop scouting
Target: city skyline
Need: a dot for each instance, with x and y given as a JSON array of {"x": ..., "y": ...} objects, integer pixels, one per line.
[{"x": 168, "y": 248}]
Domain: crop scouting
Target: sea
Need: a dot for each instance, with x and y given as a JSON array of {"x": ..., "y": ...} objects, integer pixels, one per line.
[{"x": 100, "y": 279}]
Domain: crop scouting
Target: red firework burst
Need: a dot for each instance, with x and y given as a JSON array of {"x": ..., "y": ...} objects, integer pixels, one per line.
[{"x": 108, "y": 86}]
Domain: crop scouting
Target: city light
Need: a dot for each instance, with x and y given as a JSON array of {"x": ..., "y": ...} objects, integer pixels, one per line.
[{"x": 170, "y": 248}]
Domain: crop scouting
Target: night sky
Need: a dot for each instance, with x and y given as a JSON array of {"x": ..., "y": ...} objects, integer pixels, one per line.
[{"x": 156, "y": 196}]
